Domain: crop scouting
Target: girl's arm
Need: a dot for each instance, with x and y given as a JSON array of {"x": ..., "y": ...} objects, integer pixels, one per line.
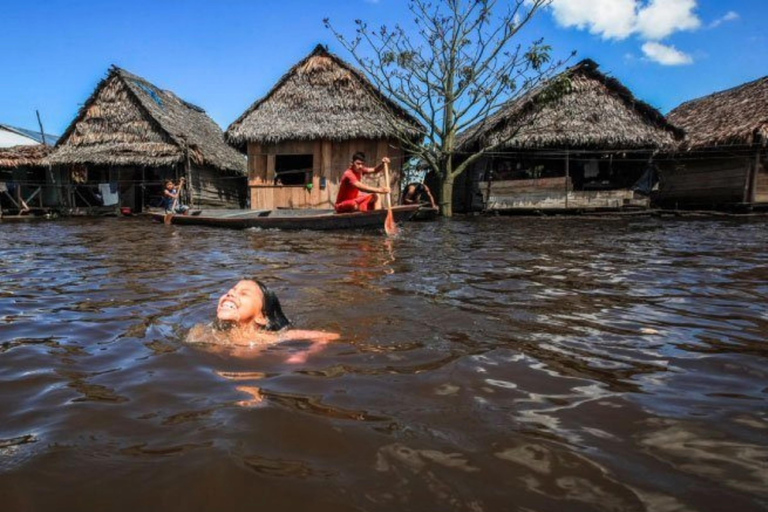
[{"x": 319, "y": 340}]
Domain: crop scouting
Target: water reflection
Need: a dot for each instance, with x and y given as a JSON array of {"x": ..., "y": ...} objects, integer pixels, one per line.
[{"x": 486, "y": 364}]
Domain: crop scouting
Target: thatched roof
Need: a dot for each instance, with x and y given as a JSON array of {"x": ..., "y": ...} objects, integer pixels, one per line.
[
  {"x": 322, "y": 97},
  {"x": 738, "y": 116},
  {"x": 129, "y": 121},
  {"x": 595, "y": 112},
  {"x": 23, "y": 156}
]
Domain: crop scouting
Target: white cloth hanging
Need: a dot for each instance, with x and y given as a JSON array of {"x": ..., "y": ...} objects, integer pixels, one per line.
[{"x": 110, "y": 198}]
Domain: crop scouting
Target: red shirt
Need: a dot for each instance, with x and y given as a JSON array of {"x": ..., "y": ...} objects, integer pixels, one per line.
[{"x": 347, "y": 188}]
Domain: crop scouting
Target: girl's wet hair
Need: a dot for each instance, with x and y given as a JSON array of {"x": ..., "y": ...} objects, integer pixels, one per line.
[{"x": 271, "y": 309}]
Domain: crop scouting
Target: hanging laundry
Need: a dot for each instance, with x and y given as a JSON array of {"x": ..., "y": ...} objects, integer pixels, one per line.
[{"x": 110, "y": 198}]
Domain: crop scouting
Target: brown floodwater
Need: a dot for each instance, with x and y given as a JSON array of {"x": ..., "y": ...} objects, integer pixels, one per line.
[{"x": 485, "y": 364}]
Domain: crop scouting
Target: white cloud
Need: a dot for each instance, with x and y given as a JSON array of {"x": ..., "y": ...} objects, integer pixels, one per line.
[
  {"x": 666, "y": 55},
  {"x": 662, "y": 18},
  {"x": 618, "y": 19},
  {"x": 610, "y": 19},
  {"x": 649, "y": 20},
  {"x": 729, "y": 16}
]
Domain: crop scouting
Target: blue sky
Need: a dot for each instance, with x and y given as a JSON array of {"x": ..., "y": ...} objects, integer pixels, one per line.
[{"x": 223, "y": 55}]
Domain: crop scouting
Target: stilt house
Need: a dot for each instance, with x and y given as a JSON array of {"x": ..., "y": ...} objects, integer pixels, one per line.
[
  {"x": 301, "y": 136},
  {"x": 722, "y": 162},
  {"x": 130, "y": 135},
  {"x": 23, "y": 178},
  {"x": 585, "y": 150}
]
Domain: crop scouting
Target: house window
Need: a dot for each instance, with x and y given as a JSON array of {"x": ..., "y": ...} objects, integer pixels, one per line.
[{"x": 293, "y": 169}]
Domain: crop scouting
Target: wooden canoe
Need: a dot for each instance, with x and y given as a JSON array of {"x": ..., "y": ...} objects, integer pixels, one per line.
[
  {"x": 425, "y": 212},
  {"x": 289, "y": 218}
]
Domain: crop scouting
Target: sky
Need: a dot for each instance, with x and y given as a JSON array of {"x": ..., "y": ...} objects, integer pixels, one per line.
[{"x": 223, "y": 55}]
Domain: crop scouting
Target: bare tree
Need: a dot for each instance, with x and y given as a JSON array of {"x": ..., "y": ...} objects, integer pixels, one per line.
[{"x": 453, "y": 71}]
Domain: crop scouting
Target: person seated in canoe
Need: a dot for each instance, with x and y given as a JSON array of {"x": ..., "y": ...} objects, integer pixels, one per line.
[
  {"x": 249, "y": 318},
  {"x": 172, "y": 197},
  {"x": 354, "y": 195},
  {"x": 417, "y": 193}
]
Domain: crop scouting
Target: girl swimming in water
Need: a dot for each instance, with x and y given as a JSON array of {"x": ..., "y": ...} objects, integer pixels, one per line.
[{"x": 249, "y": 317}]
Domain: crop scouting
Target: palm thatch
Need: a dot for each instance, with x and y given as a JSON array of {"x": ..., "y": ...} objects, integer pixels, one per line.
[
  {"x": 592, "y": 111},
  {"x": 322, "y": 97},
  {"x": 23, "y": 156},
  {"x": 737, "y": 116},
  {"x": 129, "y": 121}
]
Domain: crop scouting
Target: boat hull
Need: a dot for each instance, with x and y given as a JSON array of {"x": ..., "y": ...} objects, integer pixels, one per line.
[
  {"x": 425, "y": 213},
  {"x": 291, "y": 219}
]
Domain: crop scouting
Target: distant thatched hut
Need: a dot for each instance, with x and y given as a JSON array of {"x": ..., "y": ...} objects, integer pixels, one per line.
[
  {"x": 23, "y": 177},
  {"x": 722, "y": 161},
  {"x": 130, "y": 135},
  {"x": 586, "y": 149},
  {"x": 301, "y": 135}
]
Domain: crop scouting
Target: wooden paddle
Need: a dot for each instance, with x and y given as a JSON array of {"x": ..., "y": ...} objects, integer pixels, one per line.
[
  {"x": 169, "y": 216},
  {"x": 390, "y": 226}
]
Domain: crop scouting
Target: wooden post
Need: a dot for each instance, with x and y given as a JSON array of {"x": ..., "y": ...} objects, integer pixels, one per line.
[
  {"x": 22, "y": 204},
  {"x": 188, "y": 174},
  {"x": 42, "y": 132},
  {"x": 567, "y": 174},
  {"x": 326, "y": 167},
  {"x": 489, "y": 178},
  {"x": 12, "y": 199},
  {"x": 57, "y": 198},
  {"x": 143, "y": 187},
  {"x": 753, "y": 184},
  {"x": 270, "y": 171}
]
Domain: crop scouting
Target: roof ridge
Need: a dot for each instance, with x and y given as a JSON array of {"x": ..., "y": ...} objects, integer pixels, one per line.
[
  {"x": 722, "y": 92},
  {"x": 125, "y": 76},
  {"x": 181, "y": 125},
  {"x": 587, "y": 67}
]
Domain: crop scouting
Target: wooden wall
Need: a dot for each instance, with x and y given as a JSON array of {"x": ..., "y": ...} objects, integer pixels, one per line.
[
  {"x": 562, "y": 184},
  {"x": 761, "y": 178},
  {"x": 329, "y": 158},
  {"x": 212, "y": 188},
  {"x": 553, "y": 194},
  {"x": 704, "y": 180},
  {"x": 761, "y": 186}
]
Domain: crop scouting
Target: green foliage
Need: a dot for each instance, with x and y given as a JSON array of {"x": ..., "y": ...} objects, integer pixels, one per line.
[{"x": 458, "y": 66}]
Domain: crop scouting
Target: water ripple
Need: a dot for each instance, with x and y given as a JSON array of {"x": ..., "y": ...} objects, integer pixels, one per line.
[{"x": 484, "y": 364}]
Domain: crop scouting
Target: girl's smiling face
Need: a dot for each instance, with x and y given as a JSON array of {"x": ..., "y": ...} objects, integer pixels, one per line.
[{"x": 243, "y": 304}]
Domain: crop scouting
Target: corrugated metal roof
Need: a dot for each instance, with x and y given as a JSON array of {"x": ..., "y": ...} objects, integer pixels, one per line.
[{"x": 34, "y": 135}]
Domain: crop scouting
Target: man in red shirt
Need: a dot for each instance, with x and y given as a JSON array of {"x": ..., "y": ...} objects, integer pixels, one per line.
[{"x": 352, "y": 196}]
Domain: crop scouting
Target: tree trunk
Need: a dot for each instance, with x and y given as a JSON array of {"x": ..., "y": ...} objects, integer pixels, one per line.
[{"x": 446, "y": 196}]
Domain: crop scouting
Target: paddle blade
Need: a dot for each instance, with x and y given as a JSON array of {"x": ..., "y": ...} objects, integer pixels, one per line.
[
  {"x": 390, "y": 226},
  {"x": 168, "y": 218}
]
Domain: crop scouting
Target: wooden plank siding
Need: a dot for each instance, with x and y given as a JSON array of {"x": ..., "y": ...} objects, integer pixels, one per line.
[
  {"x": 761, "y": 187},
  {"x": 329, "y": 160},
  {"x": 550, "y": 194},
  {"x": 710, "y": 181},
  {"x": 212, "y": 188},
  {"x": 546, "y": 180}
]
